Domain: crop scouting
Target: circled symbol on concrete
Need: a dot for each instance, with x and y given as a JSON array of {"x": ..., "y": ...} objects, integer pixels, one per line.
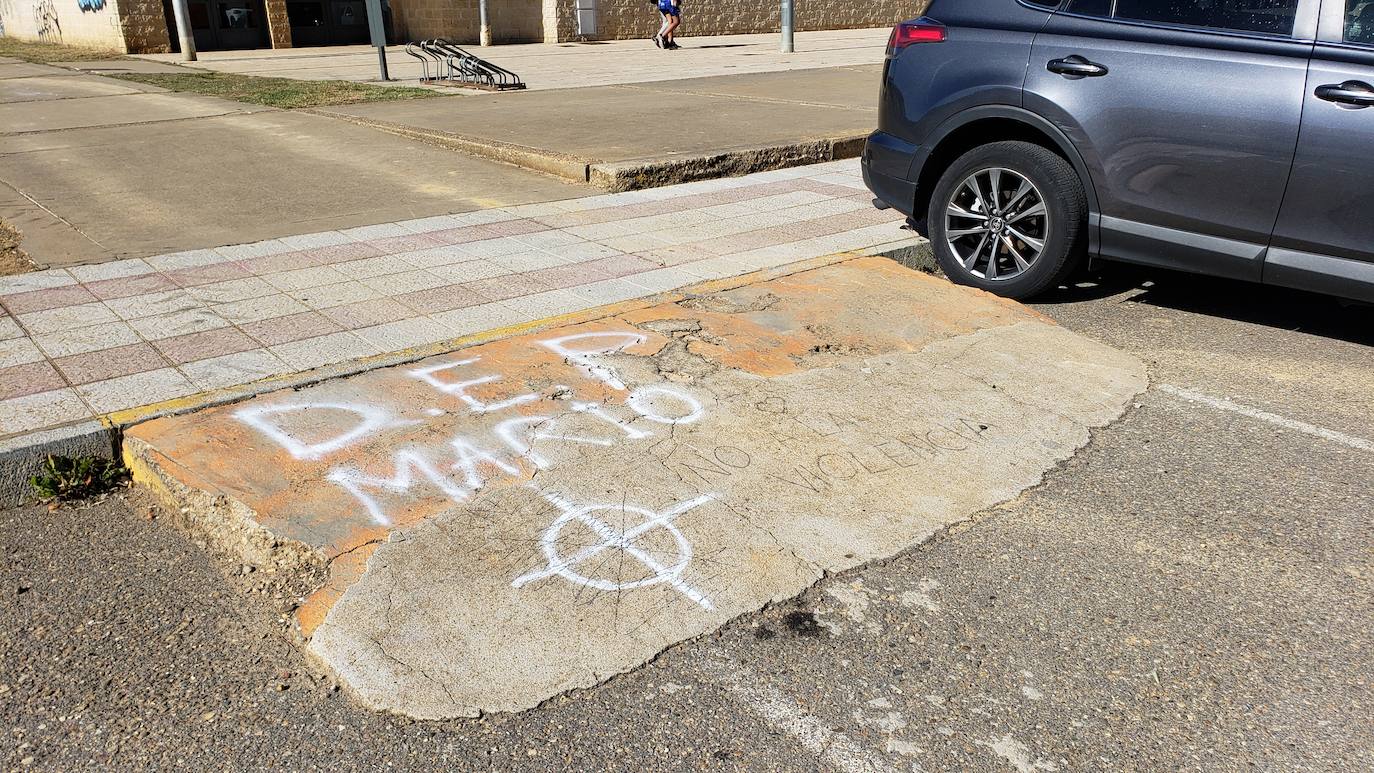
[{"x": 611, "y": 538}]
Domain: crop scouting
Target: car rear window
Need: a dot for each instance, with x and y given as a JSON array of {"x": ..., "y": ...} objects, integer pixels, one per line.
[{"x": 1273, "y": 17}]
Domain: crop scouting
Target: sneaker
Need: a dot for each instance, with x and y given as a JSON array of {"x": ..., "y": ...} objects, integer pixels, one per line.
[
  {"x": 658, "y": 41},
  {"x": 671, "y": 46}
]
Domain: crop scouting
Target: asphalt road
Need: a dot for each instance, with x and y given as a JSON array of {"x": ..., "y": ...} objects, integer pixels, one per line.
[{"x": 1191, "y": 592}]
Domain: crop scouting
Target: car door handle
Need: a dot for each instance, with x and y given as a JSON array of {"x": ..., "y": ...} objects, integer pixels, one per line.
[
  {"x": 1076, "y": 67},
  {"x": 1349, "y": 93}
]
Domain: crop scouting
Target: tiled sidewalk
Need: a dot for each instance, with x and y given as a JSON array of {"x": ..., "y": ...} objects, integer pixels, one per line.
[{"x": 79, "y": 343}]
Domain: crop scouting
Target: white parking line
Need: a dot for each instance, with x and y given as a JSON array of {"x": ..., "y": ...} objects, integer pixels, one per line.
[
  {"x": 783, "y": 714},
  {"x": 1223, "y": 404}
]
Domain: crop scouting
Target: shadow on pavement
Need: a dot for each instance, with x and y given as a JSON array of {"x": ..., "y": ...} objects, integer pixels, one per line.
[{"x": 1275, "y": 307}]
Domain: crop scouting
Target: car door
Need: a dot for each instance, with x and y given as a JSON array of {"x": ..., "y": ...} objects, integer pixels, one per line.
[
  {"x": 1186, "y": 114},
  {"x": 1324, "y": 238}
]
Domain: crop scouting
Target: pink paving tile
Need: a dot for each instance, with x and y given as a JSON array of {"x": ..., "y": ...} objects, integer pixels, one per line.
[
  {"x": 394, "y": 244},
  {"x": 42, "y": 300},
  {"x": 205, "y": 344},
  {"x": 204, "y": 275},
  {"x": 499, "y": 288},
  {"x": 676, "y": 256},
  {"x": 515, "y": 227},
  {"x": 28, "y": 379},
  {"x": 340, "y": 253},
  {"x": 271, "y": 264},
  {"x": 563, "y": 219},
  {"x": 571, "y": 275},
  {"x": 463, "y": 235},
  {"x": 814, "y": 229},
  {"x": 829, "y": 189},
  {"x": 438, "y": 299},
  {"x": 128, "y": 286},
  {"x": 749, "y": 240},
  {"x": 846, "y": 221},
  {"x": 721, "y": 245},
  {"x": 609, "y": 214},
  {"x": 619, "y": 265},
  {"x": 110, "y": 363},
  {"x": 292, "y": 327},
  {"x": 367, "y": 313},
  {"x": 750, "y": 192}
]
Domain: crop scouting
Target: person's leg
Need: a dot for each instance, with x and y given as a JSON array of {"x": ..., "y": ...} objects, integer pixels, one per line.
[
  {"x": 673, "y": 23},
  {"x": 662, "y": 37}
]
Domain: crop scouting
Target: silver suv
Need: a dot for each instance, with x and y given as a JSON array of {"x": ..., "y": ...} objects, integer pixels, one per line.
[{"x": 1224, "y": 137}]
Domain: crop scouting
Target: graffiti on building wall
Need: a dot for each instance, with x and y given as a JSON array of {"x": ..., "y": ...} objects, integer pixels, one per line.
[{"x": 46, "y": 23}]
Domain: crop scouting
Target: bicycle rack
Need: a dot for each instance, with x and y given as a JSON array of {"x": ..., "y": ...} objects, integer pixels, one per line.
[
  {"x": 455, "y": 66},
  {"x": 426, "y": 58}
]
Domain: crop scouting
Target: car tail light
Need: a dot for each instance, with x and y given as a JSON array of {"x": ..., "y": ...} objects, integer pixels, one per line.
[{"x": 911, "y": 32}]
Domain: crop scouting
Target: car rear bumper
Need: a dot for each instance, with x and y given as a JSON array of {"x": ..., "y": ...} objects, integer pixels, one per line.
[{"x": 886, "y": 167}]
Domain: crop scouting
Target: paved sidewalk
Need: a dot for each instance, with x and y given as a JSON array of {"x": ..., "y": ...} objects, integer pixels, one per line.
[
  {"x": 95, "y": 169},
  {"x": 93, "y": 340},
  {"x": 630, "y": 136},
  {"x": 569, "y": 65}
]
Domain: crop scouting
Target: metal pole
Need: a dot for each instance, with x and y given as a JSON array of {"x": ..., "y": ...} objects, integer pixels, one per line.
[
  {"x": 376, "y": 26},
  {"x": 787, "y": 25},
  {"x": 184, "y": 34},
  {"x": 484, "y": 37},
  {"x": 381, "y": 63}
]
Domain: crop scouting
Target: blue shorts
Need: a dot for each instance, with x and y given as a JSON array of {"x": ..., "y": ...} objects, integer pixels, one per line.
[{"x": 666, "y": 6}]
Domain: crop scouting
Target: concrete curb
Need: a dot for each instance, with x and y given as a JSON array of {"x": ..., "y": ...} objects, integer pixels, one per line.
[
  {"x": 630, "y": 175},
  {"x": 22, "y": 455},
  {"x": 656, "y": 172},
  {"x": 556, "y": 164}
]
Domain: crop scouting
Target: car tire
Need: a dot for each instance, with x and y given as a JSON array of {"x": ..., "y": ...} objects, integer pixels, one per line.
[{"x": 1002, "y": 257}]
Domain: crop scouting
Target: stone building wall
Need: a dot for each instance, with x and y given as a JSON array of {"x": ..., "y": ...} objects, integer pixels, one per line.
[
  {"x": 452, "y": 19},
  {"x": 512, "y": 21},
  {"x": 621, "y": 19},
  {"x": 516, "y": 21},
  {"x": 278, "y": 23},
  {"x": 145, "y": 27}
]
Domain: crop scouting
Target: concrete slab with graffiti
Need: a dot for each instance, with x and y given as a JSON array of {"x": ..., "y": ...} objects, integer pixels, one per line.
[{"x": 516, "y": 519}]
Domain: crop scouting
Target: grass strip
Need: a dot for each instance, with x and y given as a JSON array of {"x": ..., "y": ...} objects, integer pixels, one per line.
[
  {"x": 276, "y": 92},
  {"x": 42, "y": 53}
]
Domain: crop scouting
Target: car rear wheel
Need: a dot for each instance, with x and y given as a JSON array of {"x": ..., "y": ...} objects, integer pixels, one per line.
[{"x": 1008, "y": 217}]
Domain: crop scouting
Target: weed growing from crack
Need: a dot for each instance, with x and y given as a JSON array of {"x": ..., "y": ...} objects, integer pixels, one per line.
[{"x": 67, "y": 479}]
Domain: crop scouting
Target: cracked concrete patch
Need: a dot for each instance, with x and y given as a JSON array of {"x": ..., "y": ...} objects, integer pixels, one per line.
[{"x": 540, "y": 513}]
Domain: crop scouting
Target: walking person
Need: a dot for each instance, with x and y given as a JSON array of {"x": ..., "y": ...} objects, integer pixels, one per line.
[{"x": 672, "y": 18}]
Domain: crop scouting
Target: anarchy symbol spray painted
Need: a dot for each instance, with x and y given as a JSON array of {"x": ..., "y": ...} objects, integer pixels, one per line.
[{"x": 610, "y": 538}]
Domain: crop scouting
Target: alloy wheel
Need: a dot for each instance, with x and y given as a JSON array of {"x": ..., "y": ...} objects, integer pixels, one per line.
[{"x": 996, "y": 223}]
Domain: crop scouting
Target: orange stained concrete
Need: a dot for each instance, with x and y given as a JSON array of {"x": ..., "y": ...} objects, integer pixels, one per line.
[{"x": 768, "y": 329}]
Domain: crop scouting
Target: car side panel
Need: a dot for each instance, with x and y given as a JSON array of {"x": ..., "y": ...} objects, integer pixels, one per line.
[
  {"x": 1188, "y": 138},
  {"x": 1324, "y": 238}
]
